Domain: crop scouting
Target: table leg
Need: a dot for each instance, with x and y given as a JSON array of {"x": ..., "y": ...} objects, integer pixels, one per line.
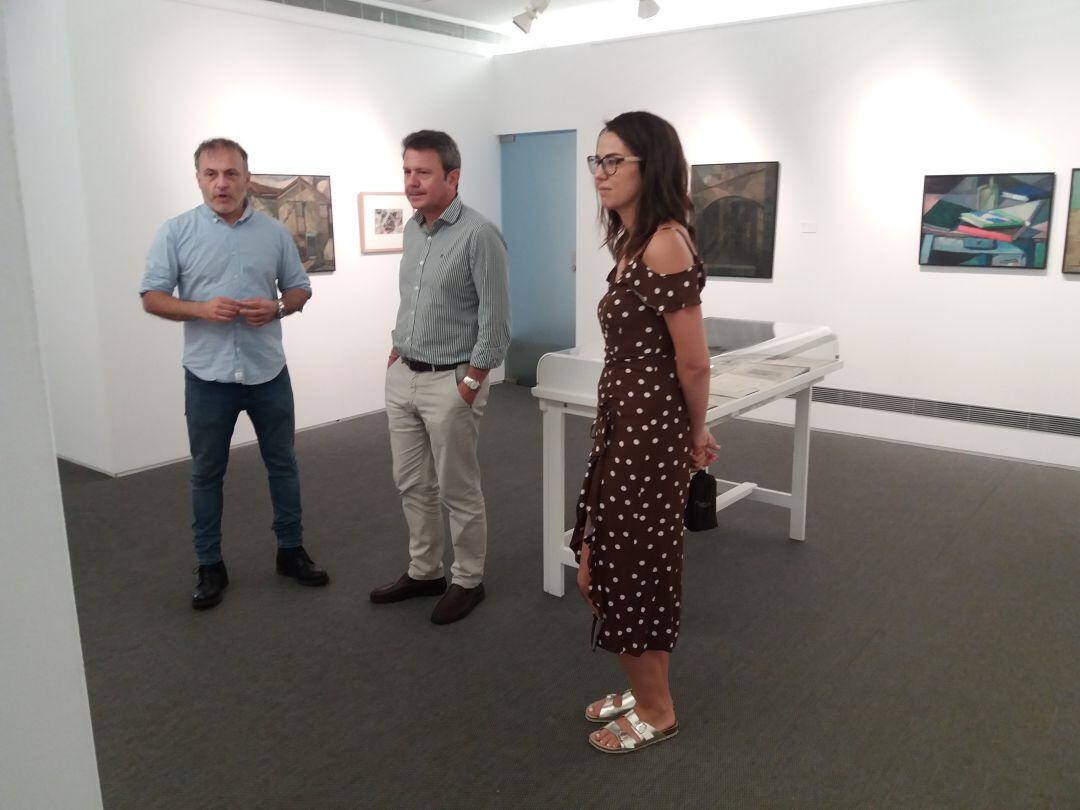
[
  {"x": 554, "y": 439},
  {"x": 800, "y": 465}
]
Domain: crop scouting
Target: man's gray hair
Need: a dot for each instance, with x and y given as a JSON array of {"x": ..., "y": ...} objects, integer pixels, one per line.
[{"x": 213, "y": 144}]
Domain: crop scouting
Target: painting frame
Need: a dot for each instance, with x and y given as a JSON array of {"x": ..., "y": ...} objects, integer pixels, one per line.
[
  {"x": 1070, "y": 257},
  {"x": 383, "y": 215},
  {"x": 303, "y": 204},
  {"x": 735, "y": 207},
  {"x": 986, "y": 221}
]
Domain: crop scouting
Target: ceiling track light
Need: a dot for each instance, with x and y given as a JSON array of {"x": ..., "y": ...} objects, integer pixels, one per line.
[
  {"x": 647, "y": 8},
  {"x": 533, "y": 10}
]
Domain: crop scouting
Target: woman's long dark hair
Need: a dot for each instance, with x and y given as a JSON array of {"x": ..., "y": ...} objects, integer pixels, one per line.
[{"x": 665, "y": 181}]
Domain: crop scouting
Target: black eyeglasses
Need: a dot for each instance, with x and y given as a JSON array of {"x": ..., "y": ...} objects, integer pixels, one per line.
[{"x": 610, "y": 163}]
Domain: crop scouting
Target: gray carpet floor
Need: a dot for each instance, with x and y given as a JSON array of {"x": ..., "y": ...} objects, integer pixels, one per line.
[{"x": 920, "y": 650}]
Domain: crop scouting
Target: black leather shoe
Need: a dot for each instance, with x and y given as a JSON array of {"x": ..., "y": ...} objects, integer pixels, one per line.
[
  {"x": 213, "y": 579},
  {"x": 405, "y": 587},
  {"x": 295, "y": 563},
  {"x": 457, "y": 604}
]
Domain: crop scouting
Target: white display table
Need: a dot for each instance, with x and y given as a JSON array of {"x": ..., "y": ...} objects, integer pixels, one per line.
[{"x": 753, "y": 363}]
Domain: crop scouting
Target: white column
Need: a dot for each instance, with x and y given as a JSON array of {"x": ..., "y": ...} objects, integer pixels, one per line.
[{"x": 46, "y": 743}]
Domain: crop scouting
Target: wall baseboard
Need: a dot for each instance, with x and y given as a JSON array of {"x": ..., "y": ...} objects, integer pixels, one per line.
[{"x": 1000, "y": 417}]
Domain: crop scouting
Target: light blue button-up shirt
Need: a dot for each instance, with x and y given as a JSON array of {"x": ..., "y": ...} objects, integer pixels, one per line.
[{"x": 202, "y": 256}]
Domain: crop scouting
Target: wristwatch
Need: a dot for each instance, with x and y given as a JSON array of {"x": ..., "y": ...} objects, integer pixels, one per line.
[
  {"x": 470, "y": 383},
  {"x": 280, "y": 308}
]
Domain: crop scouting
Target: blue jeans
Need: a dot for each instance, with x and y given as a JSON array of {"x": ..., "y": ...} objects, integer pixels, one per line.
[{"x": 211, "y": 409}]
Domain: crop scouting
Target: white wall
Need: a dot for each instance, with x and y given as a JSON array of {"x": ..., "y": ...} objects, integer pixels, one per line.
[
  {"x": 50, "y": 162},
  {"x": 145, "y": 81},
  {"x": 110, "y": 98},
  {"x": 858, "y": 106},
  {"x": 46, "y": 742}
]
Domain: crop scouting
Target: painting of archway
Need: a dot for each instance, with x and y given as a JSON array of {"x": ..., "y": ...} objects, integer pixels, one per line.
[{"x": 735, "y": 217}]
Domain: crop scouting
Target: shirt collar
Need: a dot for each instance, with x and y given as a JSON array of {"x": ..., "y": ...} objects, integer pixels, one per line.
[
  {"x": 249, "y": 209},
  {"x": 449, "y": 216}
]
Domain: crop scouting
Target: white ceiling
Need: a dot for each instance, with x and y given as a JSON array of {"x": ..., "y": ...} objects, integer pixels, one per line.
[
  {"x": 569, "y": 22},
  {"x": 493, "y": 13}
]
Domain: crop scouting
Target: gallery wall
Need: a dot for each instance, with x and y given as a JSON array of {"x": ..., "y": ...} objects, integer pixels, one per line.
[
  {"x": 857, "y": 106},
  {"x": 50, "y": 164},
  {"x": 46, "y": 743},
  {"x": 111, "y": 99}
]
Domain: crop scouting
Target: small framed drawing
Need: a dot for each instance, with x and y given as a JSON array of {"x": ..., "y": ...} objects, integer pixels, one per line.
[
  {"x": 1071, "y": 264},
  {"x": 382, "y": 221}
]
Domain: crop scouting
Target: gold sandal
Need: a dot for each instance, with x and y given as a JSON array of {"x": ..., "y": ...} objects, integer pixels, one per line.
[
  {"x": 646, "y": 735},
  {"x": 609, "y": 711}
]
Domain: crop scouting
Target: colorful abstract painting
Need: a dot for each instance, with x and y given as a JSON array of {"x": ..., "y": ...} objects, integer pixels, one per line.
[
  {"x": 735, "y": 217},
  {"x": 986, "y": 220},
  {"x": 302, "y": 203},
  {"x": 1072, "y": 229}
]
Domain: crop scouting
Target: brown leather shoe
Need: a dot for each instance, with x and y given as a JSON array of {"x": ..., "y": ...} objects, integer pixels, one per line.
[
  {"x": 405, "y": 587},
  {"x": 457, "y": 604}
]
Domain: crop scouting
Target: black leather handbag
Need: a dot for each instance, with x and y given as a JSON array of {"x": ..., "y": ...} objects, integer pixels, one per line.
[{"x": 701, "y": 502}]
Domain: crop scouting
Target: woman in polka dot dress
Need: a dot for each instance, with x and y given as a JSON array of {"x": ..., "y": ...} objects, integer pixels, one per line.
[{"x": 650, "y": 427}]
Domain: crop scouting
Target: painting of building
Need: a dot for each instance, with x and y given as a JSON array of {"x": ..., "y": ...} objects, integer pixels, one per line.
[{"x": 301, "y": 202}]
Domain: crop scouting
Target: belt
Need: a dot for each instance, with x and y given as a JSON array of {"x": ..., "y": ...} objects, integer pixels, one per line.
[{"x": 416, "y": 365}]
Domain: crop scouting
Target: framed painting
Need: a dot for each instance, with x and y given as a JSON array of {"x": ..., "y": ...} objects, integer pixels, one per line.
[
  {"x": 301, "y": 202},
  {"x": 1071, "y": 262},
  {"x": 735, "y": 217},
  {"x": 986, "y": 220},
  {"x": 382, "y": 221}
]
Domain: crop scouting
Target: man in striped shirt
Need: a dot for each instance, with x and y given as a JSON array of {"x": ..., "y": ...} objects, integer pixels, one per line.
[{"x": 453, "y": 327}]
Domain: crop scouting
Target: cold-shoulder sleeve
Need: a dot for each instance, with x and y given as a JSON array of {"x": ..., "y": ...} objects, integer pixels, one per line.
[{"x": 665, "y": 292}]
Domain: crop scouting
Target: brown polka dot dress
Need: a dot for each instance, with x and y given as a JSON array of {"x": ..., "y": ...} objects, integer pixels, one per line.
[{"x": 634, "y": 496}]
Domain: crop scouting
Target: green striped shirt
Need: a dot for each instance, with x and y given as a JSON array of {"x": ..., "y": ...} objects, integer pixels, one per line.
[{"x": 455, "y": 292}]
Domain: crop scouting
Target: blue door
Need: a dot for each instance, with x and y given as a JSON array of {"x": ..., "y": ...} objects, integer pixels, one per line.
[{"x": 538, "y": 221}]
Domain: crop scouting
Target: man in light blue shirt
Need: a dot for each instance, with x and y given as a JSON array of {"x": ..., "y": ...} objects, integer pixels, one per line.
[{"x": 227, "y": 263}]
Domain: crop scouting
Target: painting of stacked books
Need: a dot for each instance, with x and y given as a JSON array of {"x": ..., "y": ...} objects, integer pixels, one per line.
[{"x": 986, "y": 220}]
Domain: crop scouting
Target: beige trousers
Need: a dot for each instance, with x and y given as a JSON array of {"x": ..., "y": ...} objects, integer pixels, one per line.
[{"x": 433, "y": 436}]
